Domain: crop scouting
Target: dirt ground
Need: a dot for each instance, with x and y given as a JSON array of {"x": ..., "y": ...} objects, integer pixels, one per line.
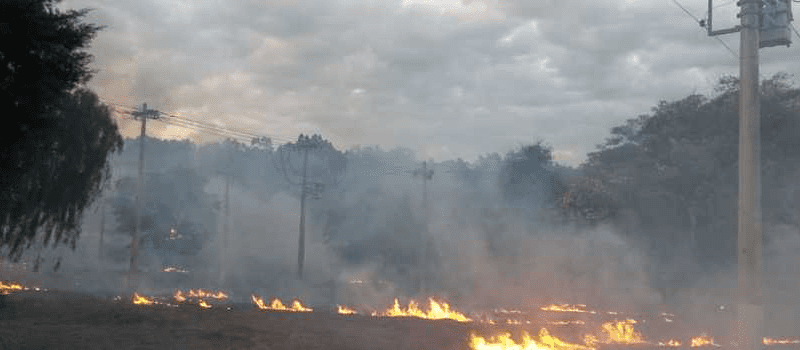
[
  {"x": 65, "y": 320},
  {"x": 58, "y": 320}
]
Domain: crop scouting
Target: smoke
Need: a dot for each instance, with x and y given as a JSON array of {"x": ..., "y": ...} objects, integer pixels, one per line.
[{"x": 364, "y": 239}]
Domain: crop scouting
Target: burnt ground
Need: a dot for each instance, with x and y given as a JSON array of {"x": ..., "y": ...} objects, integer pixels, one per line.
[{"x": 65, "y": 320}]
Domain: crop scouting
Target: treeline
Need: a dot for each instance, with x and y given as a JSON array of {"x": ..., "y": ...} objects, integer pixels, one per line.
[{"x": 666, "y": 180}]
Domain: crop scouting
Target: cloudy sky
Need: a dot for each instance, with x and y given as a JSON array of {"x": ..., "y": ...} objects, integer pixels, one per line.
[{"x": 446, "y": 78}]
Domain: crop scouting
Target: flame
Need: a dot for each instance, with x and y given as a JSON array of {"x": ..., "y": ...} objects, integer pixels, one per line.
[
  {"x": 565, "y": 323},
  {"x": 204, "y": 304},
  {"x": 566, "y": 308},
  {"x": 142, "y": 300},
  {"x": 621, "y": 332},
  {"x": 436, "y": 311},
  {"x": 199, "y": 294},
  {"x": 344, "y": 310},
  {"x": 277, "y": 305},
  {"x": 503, "y": 341},
  {"x": 770, "y": 341},
  {"x": 702, "y": 340},
  {"x": 672, "y": 343},
  {"x": 504, "y": 311},
  {"x": 174, "y": 269},
  {"x": 8, "y": 287}
]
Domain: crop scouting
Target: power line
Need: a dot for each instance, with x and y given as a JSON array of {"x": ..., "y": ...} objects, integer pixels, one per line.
[
  {"x": 204, "y": 130},
  {"x": 199, "y": 126},
  {"x": 735, "y": 55},
  {"x": 687, "y": 11}
]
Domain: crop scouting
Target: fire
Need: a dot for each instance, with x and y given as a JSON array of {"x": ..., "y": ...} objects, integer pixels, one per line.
[
  {"x": 702, "y": 340},
  {"x": 436, "y": 311},
  {"x": 672, "y": 343},
  {"x": 344, "y": 310},
  {"x": 566, "y": 308},
  {"x": 770, "y": 341},
  {"x": 8, "y": 287},
  {"x": 565, "y": 323},
  {"x": 277, "y": 305},
  {"x": 174, "y": 269},
  {"x": 180, "y": 296},
  {"x": 621, "y": 332},
  {"x": 503, "y": 341},
  {"x": 204, "y": 304},
  {"x": 142, "y": 300}
]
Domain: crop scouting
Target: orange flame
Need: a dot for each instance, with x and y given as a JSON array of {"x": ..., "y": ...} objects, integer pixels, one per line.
[
  {"x": 503, "y": 341},
  {"x": 204, "y": 304},
  {"x": 142, "y": 300},
  {"x": 180, "y": 296},
  {"x": 565, "y": 323},
  {"x": 277, "y": 305},
  {"x": 436, "y": 311},
  {"x": 771, "y": 341},
  {"x": 621, "y": 332},
  {"x": 8, "y": 287},
  {"x": 566, "y": 308},
  {"x": 702, "y": 340},
  {"x": 344, "y": 310},
  {"x": 672, "y": 343}
]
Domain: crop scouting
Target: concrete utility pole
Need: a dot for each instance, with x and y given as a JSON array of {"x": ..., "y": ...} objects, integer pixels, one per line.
[
  {"x": 426, "y": 174},
  {"x": 764, "y": 23},
  {"x": 133, "y": 278},
  {"x": 750, "y": 311}
]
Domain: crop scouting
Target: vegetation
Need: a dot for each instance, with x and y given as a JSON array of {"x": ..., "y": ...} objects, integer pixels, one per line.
[{"x": 58, "y": 134}]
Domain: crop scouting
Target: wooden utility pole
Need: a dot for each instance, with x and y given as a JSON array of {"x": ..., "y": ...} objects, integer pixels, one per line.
[
  {"x": 301, "y": 240},
  {"x": 426, "y": 174},
  {"x": 144, "y": 114},
  {"x": 102, "y": 228},
  {"x": 304, "y": 144}
]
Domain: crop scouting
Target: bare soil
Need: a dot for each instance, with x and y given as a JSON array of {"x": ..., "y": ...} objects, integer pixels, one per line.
[{"x": 65, "y": 320}]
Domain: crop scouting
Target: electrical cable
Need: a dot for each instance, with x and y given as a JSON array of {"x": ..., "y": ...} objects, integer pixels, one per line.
[{"x": 735, "y": 55}]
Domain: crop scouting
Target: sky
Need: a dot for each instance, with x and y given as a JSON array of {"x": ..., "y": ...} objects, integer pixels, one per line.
[{"x": 445, "y": 78}]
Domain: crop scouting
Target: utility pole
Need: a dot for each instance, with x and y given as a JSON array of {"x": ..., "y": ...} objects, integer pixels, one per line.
[
  {"x": 750, "y": 310},
  {"x": 301, "y": 240},
  {"x": 764, "y": 23},
  {"x": 426, "y": 174},
  {"x": 102, "y": 229},
  {"x": 133, "y": 278},
  {"x": 314, "y": 189}
]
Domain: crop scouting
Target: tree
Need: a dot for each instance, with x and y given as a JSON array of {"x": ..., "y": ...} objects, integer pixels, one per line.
[
  {"x": 178, "y": 214},
  {"x": 53, "y": 159},
  {"x": 528, "y": 176},
  {"x": 676, "y": 169}
]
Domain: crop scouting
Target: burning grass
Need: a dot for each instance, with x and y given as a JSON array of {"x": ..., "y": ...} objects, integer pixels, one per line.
[
  {"x": 504, "y": 342},
  {"x": 436, "y": 311},
  {"x": 344, "y": 310},
  {"x": 581, "y": 308},
  {"x": 771, "y": 341},
  {"x": 703, "y": 341},
  {"x": 8, "y": 287},
  {"x": 277, "y": 305}
]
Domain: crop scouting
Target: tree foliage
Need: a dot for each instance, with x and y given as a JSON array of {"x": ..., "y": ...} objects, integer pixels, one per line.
[
  {"x": 175, "y": 202},
  {"x": 58, "y": 134},
  {"x": 675, "y": 170}
]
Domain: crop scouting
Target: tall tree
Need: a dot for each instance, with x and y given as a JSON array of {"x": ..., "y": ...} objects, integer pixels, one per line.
[{"x": 53, "y": 159}]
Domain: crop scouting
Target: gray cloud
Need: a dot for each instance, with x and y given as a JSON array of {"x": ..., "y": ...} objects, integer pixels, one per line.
[{"x": 470, "y": 77}]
